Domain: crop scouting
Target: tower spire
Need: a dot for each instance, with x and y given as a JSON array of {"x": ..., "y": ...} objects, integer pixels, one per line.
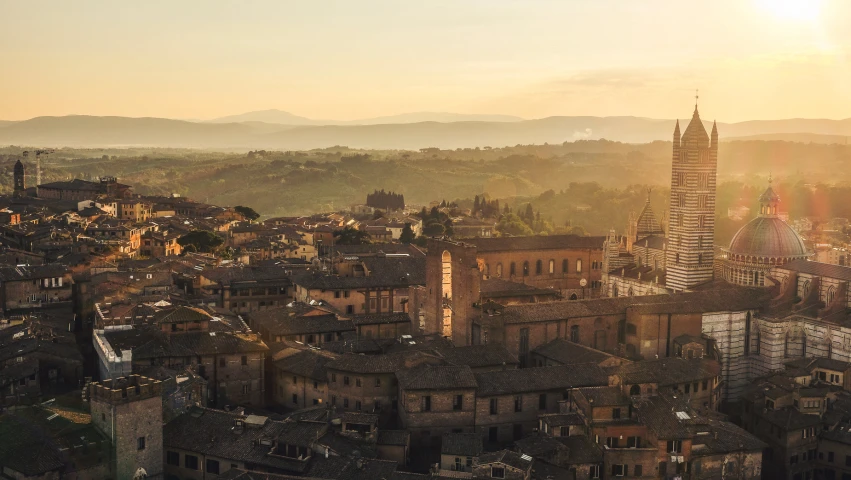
[{"x": 696, "y": 97}]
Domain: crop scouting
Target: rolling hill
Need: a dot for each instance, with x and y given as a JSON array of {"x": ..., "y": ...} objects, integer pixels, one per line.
[{"x": 92, "y": 131}]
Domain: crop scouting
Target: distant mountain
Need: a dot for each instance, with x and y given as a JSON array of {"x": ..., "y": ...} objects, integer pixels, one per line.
[
  {"x": 796, "y": 137},
  {"x": 81, "y": 130},
  {"x": 269, "y": 116},
  {"x": 84, "y": 130},
  {"x": 418, "y": 117},
  {"x": 285, "y": 118},
  {"x": 4, "y": 123}
]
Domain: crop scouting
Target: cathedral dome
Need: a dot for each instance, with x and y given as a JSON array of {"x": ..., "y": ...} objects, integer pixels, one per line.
[{"x": 768, "y": 236}]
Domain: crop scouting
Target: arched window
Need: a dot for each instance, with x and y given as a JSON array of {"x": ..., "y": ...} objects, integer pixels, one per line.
[
  {"x": 552, "y": 267},
  {"x": 564, "y": 266},
  {"x": 488, "y": 269},
  {"x": 539, "y": 267},
  {"x": 574, "y": 332},
  {"x": 831, "y": 293},
  {"x": 499, "y": 269},
  {"x": 526, "y": 269},
  {"x": 614, "y": 289},
  {"x": 578, "y": 265},
  {"x": 635, "y": 390},
  {"x": 629, "y": 293},
  {"x": 806, "y": 290},
  {"x": 748, "y": 333},
  {"x": 512, "y": 269},
  {"x": 447, "y": 293},
  {"x": 573, "y": 296}
]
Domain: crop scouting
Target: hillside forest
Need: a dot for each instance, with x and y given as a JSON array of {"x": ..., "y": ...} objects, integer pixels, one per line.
[{"x": 587, "y": 185}]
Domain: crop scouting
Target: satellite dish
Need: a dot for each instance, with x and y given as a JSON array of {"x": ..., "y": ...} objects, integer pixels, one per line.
[{"x": 583, "y": 282}]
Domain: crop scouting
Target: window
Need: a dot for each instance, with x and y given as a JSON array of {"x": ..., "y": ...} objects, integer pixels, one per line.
[
  {"x": 213, "y": 466},
  {"x": 542, "y": 401},
  {"x": 594, "y": 471},
  {"x": 333, "y": 400},
  {"x": 357, "y": 405},
  {"x": 526, "y": 269},
  {"x": 244, "y": 360},
  {"x": 357, "y": 382},
  {"x": 140, "y": 443},
  {"x": 794, "y": 459},
  {"x": 222, "y": 362},
  {"x": 552, "y": 267},
  {"x": 578, "y": 265},
  {"x": 190, "y": 462},
  {"x": 315, "y": 385},
  {"x": 345, "y": 402},
  {"x": 518, "y": 403},
  {"x": 637, "y": 471},
  {"x": 574, "y": 333},
  {"x": 618, "y": 470},
  {"x": 457, "y": 402},
  {"x": 172, "y": 458},
  {"x": 295, "y": 380},
  {"x": 539, "y": 267},
  {"x": 333, "y": 378},
  {"x": 564, "y": 264},
  {"x": 498, "y": 269},
  {"x": 497, "y": 472},
  {"x": 245, "y": 389},
  {"x": 295, "y": 398},
  {"x": 687, "y": 388},
  {"x": 377, "y": 382},
  {"x": 494, "y": 407},
  {"x": 705, "y": 385},
  {"x": 675, "y": 446},
  {"x": 616, "y": 413},
  {"x": 512, "y": 269},
  {"x": 345, "y": 380},
  {"x": 427, "y": 403}
]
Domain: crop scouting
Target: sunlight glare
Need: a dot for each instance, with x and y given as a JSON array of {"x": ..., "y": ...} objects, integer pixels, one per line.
[{"x": 792, "y": 10}]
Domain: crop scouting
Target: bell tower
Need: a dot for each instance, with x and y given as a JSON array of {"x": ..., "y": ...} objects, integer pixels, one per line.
[
  {"x": 18, "y": 174},
  {"x": 691, "y": 224}
]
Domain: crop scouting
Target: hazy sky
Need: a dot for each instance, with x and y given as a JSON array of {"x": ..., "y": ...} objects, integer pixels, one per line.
[{"x": 751, "y": 59}]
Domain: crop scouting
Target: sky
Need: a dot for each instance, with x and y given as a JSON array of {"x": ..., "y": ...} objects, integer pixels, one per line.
[{"x": 350, "y": 59}]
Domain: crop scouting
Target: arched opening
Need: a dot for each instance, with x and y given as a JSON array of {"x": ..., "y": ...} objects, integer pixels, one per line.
[
  {"x": 512, "y": 269},
  {"x": 526, "y": 269},
  {"x": 573, "y": 296},
  {"x": 614, "y": 289},
  {"x": 552, "y": 267},
  {"x": 578, "y": 265},
  {"x": 831, "y": 293},
  {"x": 630, "y": 293},
  {"x": 574, "y": 331},
  {"x": 748, "y": 333},
  {"x": 447, "y": 293},
  {"x": 635, "y": 390},
  {"x": 499, "y": 270},
  {"x": 539, "y": 267},
  {"x": 488, "y": 269},
  {"x": 805, "y": 291},
  {"x": 564, "y": 266}
]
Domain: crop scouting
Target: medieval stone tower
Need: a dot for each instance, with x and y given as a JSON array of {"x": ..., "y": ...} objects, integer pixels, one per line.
[
  {"x": 691, "y": 221},
  {"x": 453, "y": 281},
  {"x": 128, "y": 411},
  {"x": 20, "y": 184}
]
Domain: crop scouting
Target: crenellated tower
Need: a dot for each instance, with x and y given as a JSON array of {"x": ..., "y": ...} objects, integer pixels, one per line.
[{"x": 691, "y": 220}]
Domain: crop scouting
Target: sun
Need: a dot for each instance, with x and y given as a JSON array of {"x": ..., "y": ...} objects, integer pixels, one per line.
[{"x": 792, "y": 10}]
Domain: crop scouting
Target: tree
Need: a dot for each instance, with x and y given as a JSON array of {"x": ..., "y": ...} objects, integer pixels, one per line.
[
  {"x": 377, "y": 214},
  {"x": 351, "y": 236},
  {"x": 407, "y": 235},
  {"x": 530, "y": 213},
  {"x": 475, "y": 205},
  {"x": 434, "y": 229},
  {"x": 201, "y": 240},
  {"x": 511, "y": 224},
  {"x": 247, "y": 212}
]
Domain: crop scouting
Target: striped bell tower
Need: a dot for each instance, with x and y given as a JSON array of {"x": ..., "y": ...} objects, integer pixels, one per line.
[{"x": 691, "y": 218}]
